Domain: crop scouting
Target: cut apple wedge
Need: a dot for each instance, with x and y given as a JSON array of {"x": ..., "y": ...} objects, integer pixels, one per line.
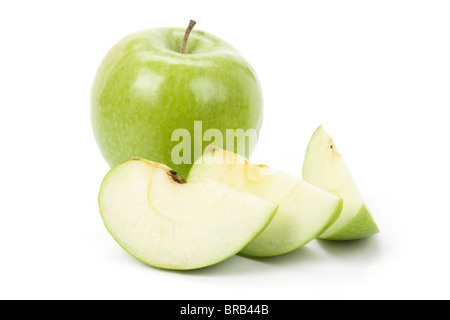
[
  {"x": 304, "y": 210},
  {"x": 167, "y": 223},
  {"x": 325, "y": 168}
]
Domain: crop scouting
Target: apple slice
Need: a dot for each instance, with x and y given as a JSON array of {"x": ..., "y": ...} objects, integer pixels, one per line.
[
  {"x": 325, "y": 168},
  {"x": 167, "y": 223},
  {"x": 304, "y": 210}
]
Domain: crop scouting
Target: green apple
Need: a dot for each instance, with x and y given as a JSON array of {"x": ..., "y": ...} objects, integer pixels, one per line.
[
  {"x": 304, "y": 210},
  {"x": 165, "y": 222},
  {"x": 146, "y": 88},
  {"x": 324, "y": 167}
]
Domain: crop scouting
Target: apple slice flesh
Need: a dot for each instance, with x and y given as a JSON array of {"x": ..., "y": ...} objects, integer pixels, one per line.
[
  {"x": 304, "y": 210},
  {"x": 167, "y": 223},
  {"x": 324, "y": 167}
]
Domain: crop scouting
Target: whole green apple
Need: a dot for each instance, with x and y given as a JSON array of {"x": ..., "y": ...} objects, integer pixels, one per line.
[{"x": 155, "y": 82}]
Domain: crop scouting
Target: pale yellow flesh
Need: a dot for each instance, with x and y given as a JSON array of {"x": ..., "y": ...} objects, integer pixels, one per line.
[
  {"x": 324, "y": 167},
  {"x": 178, "y": 226},
  {"x": 304, "y": 210}
]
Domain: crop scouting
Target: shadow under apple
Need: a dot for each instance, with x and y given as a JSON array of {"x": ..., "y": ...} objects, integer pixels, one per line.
[
  {"x": 366, "y": 248},
  {"x": 299, "y": 256}
]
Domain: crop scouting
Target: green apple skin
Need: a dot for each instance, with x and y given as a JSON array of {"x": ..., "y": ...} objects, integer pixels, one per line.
[
  {"x": 360, "y": 226},
  {"x": 145, "y": 88},
  {"x": 324, "y": 167}
]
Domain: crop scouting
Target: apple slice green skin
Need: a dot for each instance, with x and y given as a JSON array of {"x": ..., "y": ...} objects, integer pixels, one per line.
[
  {"x": 164, "y": 222},
  {"x": 304, "y": 210},
  {"x": 324, "y": 167}
]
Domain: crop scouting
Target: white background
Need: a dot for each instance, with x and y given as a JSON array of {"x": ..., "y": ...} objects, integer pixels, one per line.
[{"x": 376, "y": 74}]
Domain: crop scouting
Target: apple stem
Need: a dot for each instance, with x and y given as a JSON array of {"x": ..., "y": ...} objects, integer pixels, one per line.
[{"x": 186, "y": 35}]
